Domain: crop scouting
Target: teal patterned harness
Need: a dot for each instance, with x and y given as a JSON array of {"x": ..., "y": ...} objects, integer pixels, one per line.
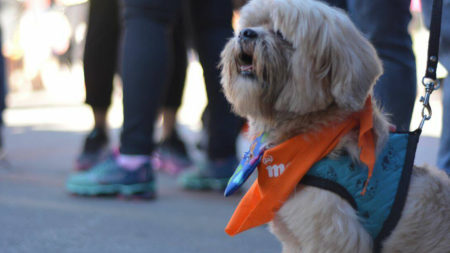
[{"x": 374, "y": 207}]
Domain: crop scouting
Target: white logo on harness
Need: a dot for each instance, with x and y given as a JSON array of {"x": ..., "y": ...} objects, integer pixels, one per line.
[{"x": 275, "y": 170}]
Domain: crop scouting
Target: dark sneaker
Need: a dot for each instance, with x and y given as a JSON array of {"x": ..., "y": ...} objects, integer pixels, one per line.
[
  {"x": 109, "y": 178},
  {"x": 95, "y": 149},
  {"x": 212, "y": 175},
  {"x": 171, "y": 156}
]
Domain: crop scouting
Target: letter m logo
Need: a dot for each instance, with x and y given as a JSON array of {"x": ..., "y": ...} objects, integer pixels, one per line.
[{"x": 275, "y": 170}]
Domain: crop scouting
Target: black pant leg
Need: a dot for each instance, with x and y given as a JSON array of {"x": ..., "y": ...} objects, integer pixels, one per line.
[
  {"x": 212, "y": 27},
  {"x": 174, "y": 91},
  {"x": 146, "y": 61},
  {"x": 100, "y": 53}
]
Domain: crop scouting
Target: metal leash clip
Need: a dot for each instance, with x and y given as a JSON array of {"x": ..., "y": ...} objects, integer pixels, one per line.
[{"x": 430, "y": 86}]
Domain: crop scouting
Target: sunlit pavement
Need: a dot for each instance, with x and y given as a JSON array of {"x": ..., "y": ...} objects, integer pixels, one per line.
[{"x": 38, "y": 215}]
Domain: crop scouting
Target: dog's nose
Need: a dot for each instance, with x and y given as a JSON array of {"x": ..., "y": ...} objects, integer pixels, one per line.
[{"x": 248, "y": 34}]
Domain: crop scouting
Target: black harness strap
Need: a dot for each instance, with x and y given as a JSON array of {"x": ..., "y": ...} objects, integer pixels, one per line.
[
  {"x": 330, "y": 186},
  {"x": 402, "y": 192}
]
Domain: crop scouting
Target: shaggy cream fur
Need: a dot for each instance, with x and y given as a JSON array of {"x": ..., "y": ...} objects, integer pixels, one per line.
[{"x": 295, "y": 66}]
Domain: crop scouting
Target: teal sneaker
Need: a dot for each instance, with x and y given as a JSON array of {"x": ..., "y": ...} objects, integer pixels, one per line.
[
  {"x": 109, "y": 178},
  {"x": 211, "y": 175}
]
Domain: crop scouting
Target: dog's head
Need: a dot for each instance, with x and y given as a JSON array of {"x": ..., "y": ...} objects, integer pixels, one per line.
[{"x": 297, "y": 57}]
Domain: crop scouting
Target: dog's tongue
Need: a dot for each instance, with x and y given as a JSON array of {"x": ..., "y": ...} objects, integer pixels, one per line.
[{"x": 247, "y": 68}]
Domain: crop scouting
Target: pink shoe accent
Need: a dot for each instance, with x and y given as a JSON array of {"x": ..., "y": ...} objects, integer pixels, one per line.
[
  {"x": 168, "y": 165},
  {"x": 115, "y": 151}
]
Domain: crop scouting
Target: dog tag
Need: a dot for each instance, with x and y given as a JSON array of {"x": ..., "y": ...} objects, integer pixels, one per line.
[{"x": 247, "y": 165}]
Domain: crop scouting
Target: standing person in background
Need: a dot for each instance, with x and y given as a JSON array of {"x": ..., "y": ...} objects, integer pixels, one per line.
[
  {"x": 385, "y": 24},
  {"x": 172, "y": 155},
  {"x": 146, "y": 65},
  {"x": 100, "y": 65},
  {"x": 443, "y": 161},
  {"x": 212, "y": 22},
  {"x": 2, "y": 93}
]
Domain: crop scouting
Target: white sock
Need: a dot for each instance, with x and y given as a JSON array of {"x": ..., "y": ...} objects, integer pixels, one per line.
[{"x": 132, "y": 162}]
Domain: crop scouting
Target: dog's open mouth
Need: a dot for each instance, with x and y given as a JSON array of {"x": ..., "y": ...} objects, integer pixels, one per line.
[{"x": 246, "y": 65}]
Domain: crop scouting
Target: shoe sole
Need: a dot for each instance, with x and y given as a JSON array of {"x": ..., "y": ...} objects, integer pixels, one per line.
[{"x": 146, "y": 190}]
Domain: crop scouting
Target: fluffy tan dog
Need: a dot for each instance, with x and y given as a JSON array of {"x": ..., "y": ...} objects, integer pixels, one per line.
[{"x": 298, "y": 65}]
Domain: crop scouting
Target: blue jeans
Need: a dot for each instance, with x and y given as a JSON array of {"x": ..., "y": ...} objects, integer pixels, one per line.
[
  {"x": 443, "y": 161},
  {"x": 385, "y": 24},
  {"x": 148, "y": 62}
]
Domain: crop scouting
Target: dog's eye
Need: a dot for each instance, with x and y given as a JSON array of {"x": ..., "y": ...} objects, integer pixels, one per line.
[{"x": 280, "y": 35}]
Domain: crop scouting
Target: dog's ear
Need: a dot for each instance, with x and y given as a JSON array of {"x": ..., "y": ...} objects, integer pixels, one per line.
[
  {"x": 336, "y": 61},
  {"x": 354, "y": 64}
]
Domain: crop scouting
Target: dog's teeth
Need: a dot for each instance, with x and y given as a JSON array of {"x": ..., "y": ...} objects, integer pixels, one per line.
[{"x": 247, "y": 68}]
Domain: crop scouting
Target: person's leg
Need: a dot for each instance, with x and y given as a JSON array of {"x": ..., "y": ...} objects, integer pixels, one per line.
[
  {"x": 100, "y": 56},
  {"x": 443, "y": 161},
  {"x": 444, "y": 57},
  {"x": 174, "y": 91},
  {"x": 172, "y": 156},
  {"x": 2, "y": 91},
  {"x": 146, "y": 64},
  {"x": 385, "y": 23},
  {"x": 212, "y": 28},
  {"x": 100, "y": 63}
]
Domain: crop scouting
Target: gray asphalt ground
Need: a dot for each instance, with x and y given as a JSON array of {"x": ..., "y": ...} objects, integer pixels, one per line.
[{"x": 38, "y": 215}]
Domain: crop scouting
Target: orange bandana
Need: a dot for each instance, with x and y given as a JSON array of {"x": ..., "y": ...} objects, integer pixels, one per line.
[{"x": 283, "y": 166}]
